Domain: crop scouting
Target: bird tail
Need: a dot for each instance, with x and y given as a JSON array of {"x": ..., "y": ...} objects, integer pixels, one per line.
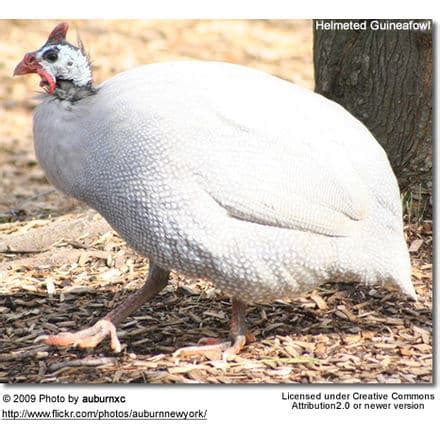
[
  {"x": 407, "y": 288},
  {"x": 401, "y": 275}
]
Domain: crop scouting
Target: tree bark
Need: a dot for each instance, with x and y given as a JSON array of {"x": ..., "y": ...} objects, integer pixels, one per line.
[{"x": 384, "y": 78}]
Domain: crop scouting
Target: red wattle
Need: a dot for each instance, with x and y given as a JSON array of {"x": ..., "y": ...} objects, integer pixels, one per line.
[{"x": 45, "y": 76}]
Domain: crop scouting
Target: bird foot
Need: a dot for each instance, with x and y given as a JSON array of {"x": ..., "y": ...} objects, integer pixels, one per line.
[
  {"x": 213, "y": 348},
  {"x": 87, "y": 338}
]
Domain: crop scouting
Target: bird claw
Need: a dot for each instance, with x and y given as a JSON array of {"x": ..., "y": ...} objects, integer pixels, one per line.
[
  {"x": 87, "y": 338},
  {"x": 213, "y": 349}
]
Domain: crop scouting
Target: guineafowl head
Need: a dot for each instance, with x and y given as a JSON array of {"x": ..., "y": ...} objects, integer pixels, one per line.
[{"x": 62, "y": 67}]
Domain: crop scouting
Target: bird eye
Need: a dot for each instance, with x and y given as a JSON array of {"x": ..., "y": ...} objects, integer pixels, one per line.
[{"x": 50, "y": 55}]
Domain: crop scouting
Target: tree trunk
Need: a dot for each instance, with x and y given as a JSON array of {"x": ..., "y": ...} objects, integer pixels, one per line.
[{"x": 384, "y": 78}]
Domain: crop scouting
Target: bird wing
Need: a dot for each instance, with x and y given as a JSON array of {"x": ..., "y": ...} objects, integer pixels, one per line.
[
  {"x": 265, "y": 150},
  {"x": 281, "y": 170},
  {"x": 297, "y": 191}
]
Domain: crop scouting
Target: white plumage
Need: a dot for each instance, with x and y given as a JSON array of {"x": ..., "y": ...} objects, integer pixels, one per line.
[
  {"x": 220, "y": 172},
  {"x": 224, "y": 172}
]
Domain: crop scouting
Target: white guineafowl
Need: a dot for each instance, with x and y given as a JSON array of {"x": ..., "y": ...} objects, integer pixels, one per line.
[{"x": 219, "y": 172}]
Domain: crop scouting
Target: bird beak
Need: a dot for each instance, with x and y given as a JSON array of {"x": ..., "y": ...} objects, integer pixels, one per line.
[{"x": 28, "y": 64}]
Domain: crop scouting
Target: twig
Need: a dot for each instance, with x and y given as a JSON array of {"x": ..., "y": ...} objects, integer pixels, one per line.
[
  {"x": 88, "y": 362},
  {"x": 52, "y": 258},
  {"x": 36, "y": 352},
  {"x": 40, "y": 239}
]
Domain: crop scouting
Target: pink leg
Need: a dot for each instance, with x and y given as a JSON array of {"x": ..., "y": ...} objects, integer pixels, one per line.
[
  {"x": 92, "y": 336},
  {"x": 226, "y": 349}
]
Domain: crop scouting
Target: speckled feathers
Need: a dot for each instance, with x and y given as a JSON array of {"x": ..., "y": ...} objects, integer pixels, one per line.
[{"x": 226, "y": 173}]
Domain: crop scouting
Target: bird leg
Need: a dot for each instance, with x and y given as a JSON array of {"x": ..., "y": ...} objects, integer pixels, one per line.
[
  {"x": 92, "y": 336},
  {"x": 238, "y": 333}
]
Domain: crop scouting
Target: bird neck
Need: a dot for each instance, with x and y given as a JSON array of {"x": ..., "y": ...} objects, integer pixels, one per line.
[{"x": 69, "y": 91}]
